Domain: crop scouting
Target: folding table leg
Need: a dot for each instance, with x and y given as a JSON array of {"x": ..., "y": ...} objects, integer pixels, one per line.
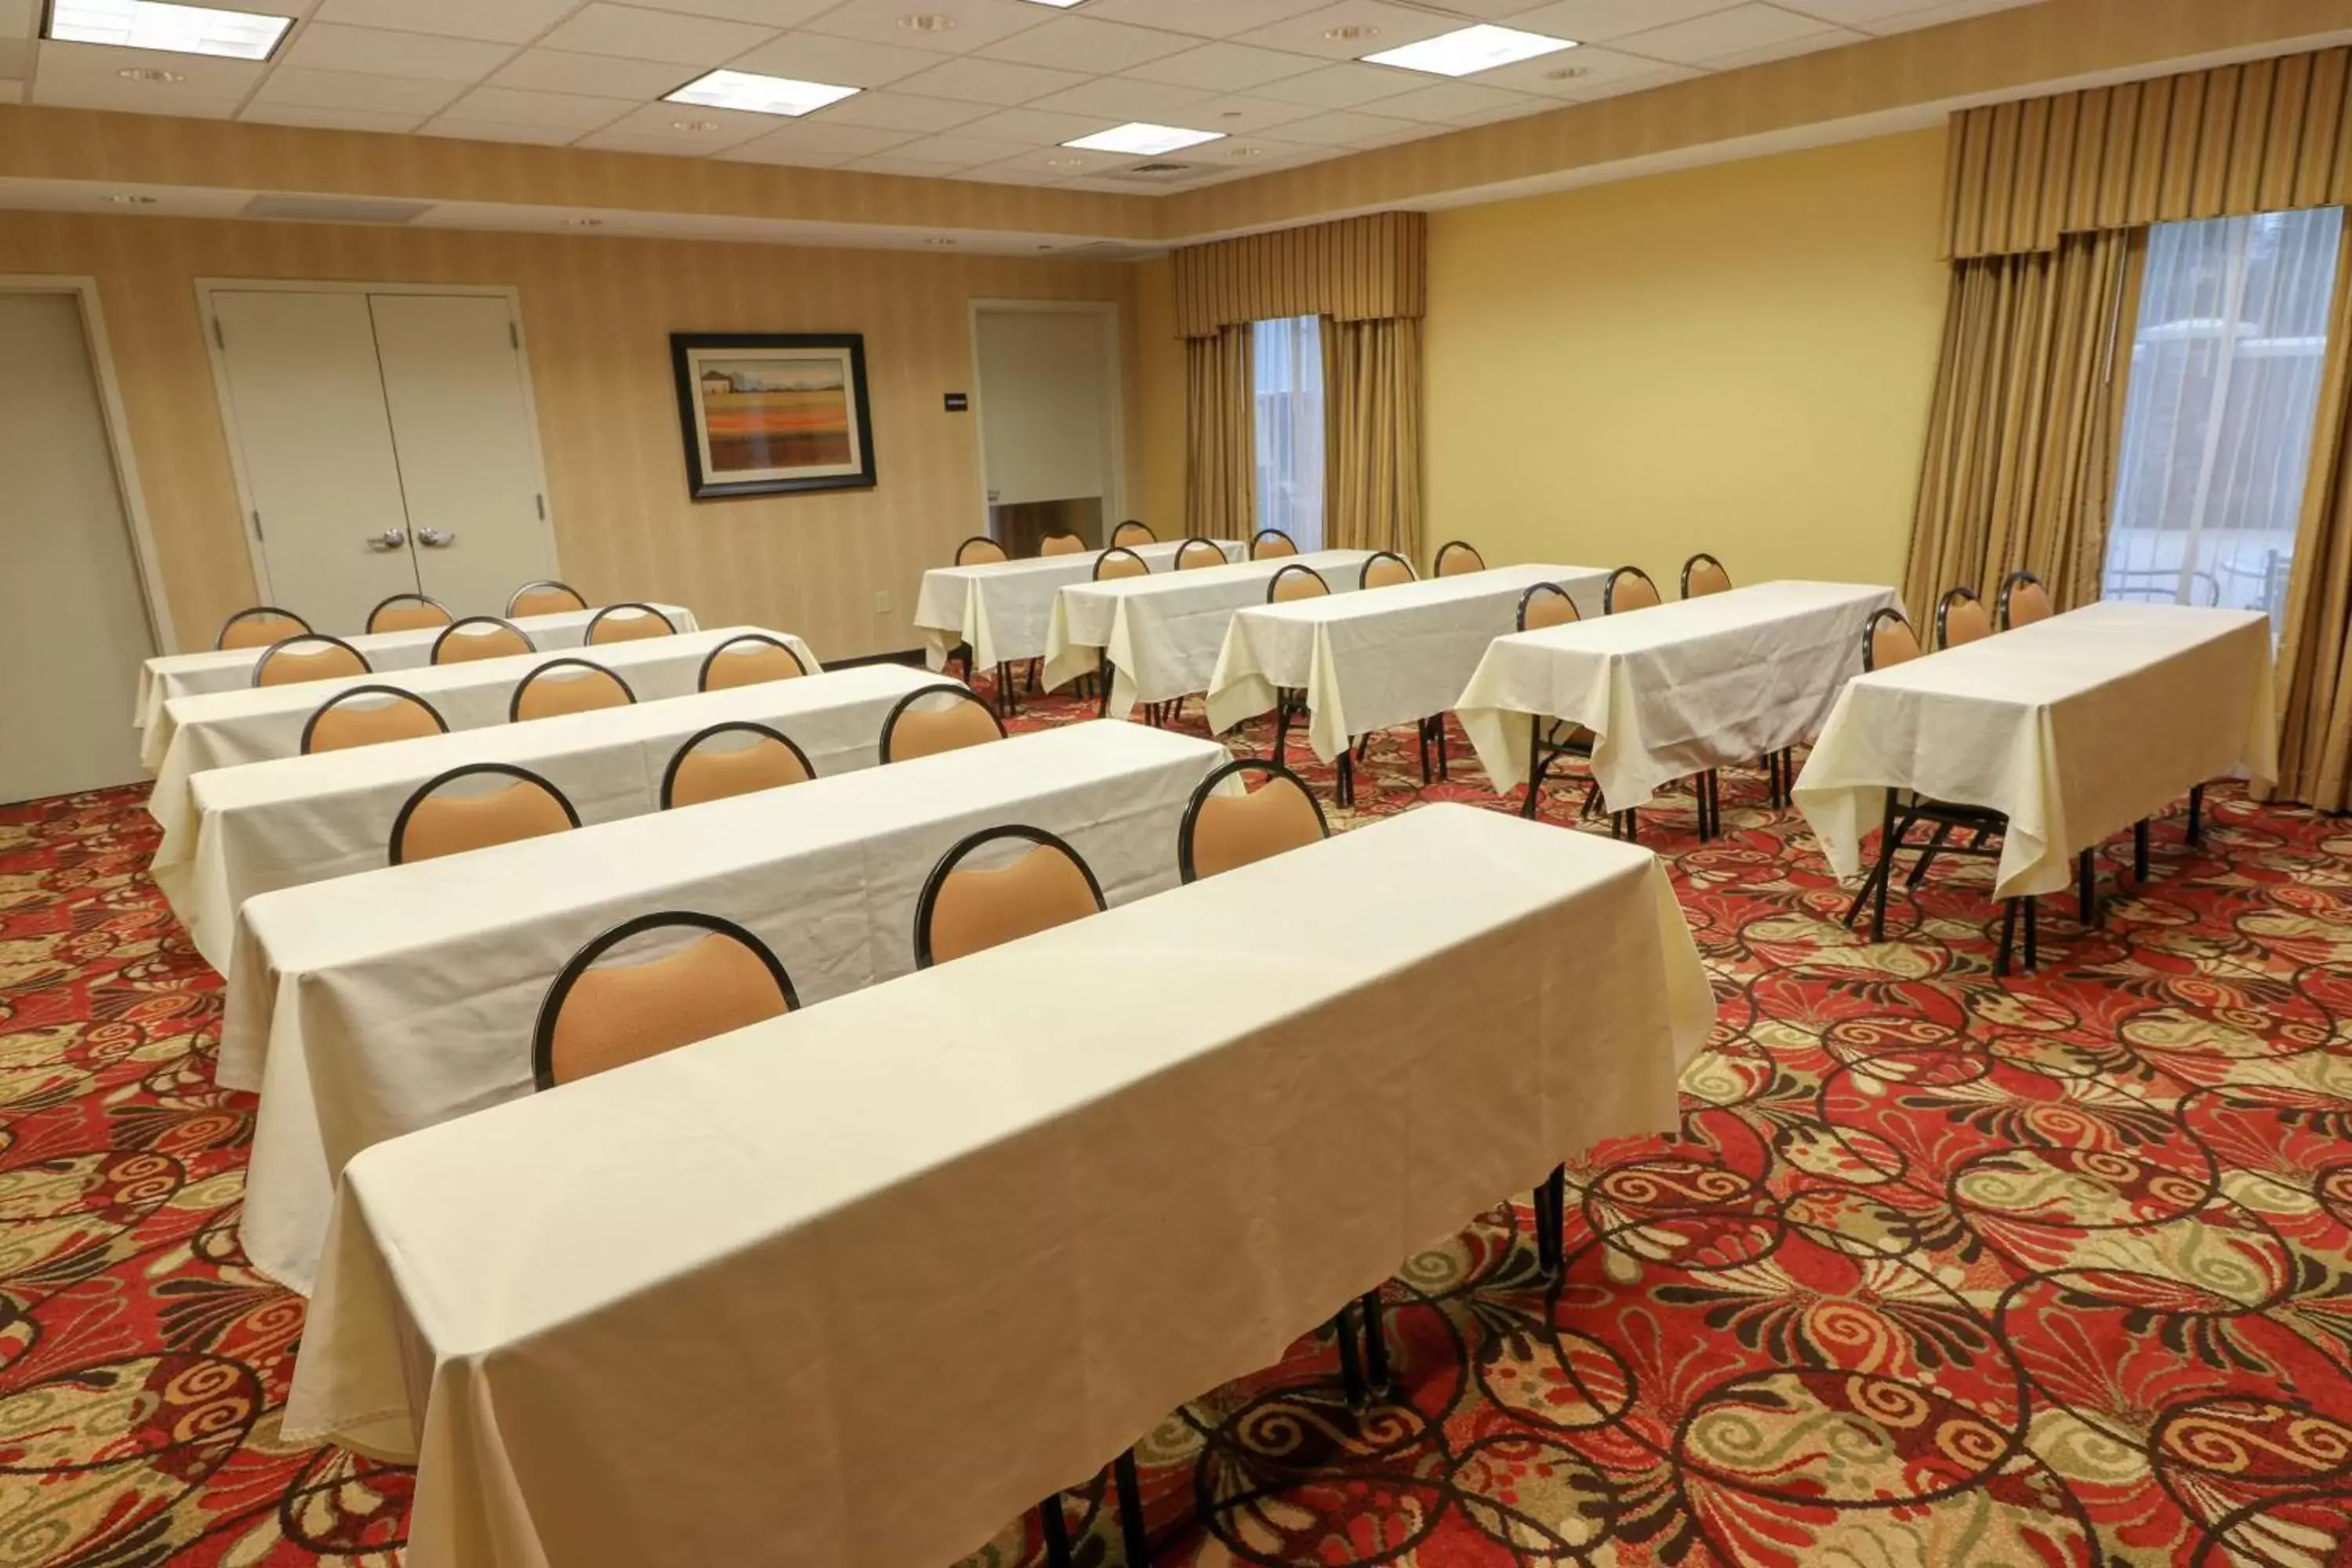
[
  {"x": 1422, "y": 734},
  {"x": 2140, "y": 851},
  {"x": 1102, "y": 673},
  {"x": 2086, "y": 888},
  {"x": 1928, "y": 856},
  {"x": 1346, "y": 783},
  {"x": 1056, "y": 1531},
  {"x": 1352, "y": 1371},
  {"x": 1376, "y": 1344},
  {"x": 2033, "y": 934},
  {"x": 2197, "y": 816},
  {"x": 2008, "y": 935},
  {"x": 1552, "y": 1219},
  {"x": 1131, "y": 1530}
]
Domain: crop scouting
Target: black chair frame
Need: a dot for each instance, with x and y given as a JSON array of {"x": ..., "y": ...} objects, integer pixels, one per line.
[
  {"x": 1437, "y": 562},
  {"x": 426, "y": 790},
  {"x": 944, "y": 688},
  {"x": 514, "y": 703},
  {"x": 927, "y": 902},
  {"x": 551, "y": 1007},
  {"x": 372, "y": 688},
  {"x": 516, "y": 597},
  {"x": 254, "y": 611},
  {"x": 1189, "y": 822},
  {"x": 1196, "y": 539},
  {"x": 1689, "y": 566},
  {"x": 1102, "y": 672},
  {"x": 434, "y": 657},
  {"x": 1266, "y": 533},
  {"x": 1148, "y": 536},
  {"x": 732, "y": 727},
  {"x": 702, "y": 676},
  {"x": 391, "y": 599},
  {"x": 588, "y": 637},
  {"x": 980, "y": 539},
  {"x": 1963, "y": 594},
  {"x": 1364, "y": 574},
  {"x": 262, "y": 663},
  {"x": 1609, "y": 589},
  {"x": 1547, "y": 748},
  {"x": 2001, "y": 598},
  {"x": 1289, "y": 702}
]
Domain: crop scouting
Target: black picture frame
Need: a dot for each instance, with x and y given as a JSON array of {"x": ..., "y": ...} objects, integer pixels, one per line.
[{"x": 709, "y": 479}]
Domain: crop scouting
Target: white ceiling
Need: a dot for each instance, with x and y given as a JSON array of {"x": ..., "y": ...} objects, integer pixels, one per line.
[{"x": 987, "y": 98}]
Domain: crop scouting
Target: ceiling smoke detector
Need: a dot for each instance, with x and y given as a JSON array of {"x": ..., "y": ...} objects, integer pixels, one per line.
[
  {"x": 927, "y": 22},
  {"x": 1353, "y": 33}
]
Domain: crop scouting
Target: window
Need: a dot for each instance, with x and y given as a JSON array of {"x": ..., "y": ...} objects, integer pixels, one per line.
[
  {"x": 1287, "y": 361},
  {"x": 2217, "y": 422}
]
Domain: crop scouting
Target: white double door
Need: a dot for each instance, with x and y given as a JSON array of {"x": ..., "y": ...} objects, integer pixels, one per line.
[{"x": 385, "y": 445}]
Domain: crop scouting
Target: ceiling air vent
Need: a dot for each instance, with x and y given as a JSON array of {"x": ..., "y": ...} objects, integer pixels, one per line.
[{"x": 332, "y": 209}]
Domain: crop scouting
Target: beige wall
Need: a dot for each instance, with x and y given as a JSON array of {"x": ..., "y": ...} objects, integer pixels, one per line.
[
  {"x": 597, "y": 315},
  {"x": 1160, "y": 404},
  {"x": 1736, "y": 359}
]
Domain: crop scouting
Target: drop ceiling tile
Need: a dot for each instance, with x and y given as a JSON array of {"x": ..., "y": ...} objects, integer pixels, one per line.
[
  {"x": 900, "y": 111},
  {"x": 198, "y": 75},
  {"x": 599, "y": 76},
  {"x": 12, "y": 92},
  {"x": 889, "y": 163},
  {"x": 488, "y": 130},
  {"x": 1082, "y": 44},
  {"x": 331, "y": 46},
  {"x": 759, "y": 13},
  {"x": 660, "y": 147},
  {"x": 1013, "y": 174},
  {"x": 1224, "y": 68},
  {"x": 977, "y": 23},
  {"x": 412, "y": 96},
  {"x": 989, "y": 81},
  {"x": 762, "y": 151},
  {"x": 1240, "y": 115},
  {"x": 1599, "y": 21},
  {"x": 76, "y": 91},
  {"x": 1254, "y": 154},
  {"x": 1810, "y": 43},
  {"x": 636, "y": 34},
  {"x": 16, "y": 57},
  {"x": 1936, "y": 15},
  {"x": 957, "y": 150},
  {"x": 1618, "y": 87},
  {"x": 816, "y": 136},
  {"x": 17, "y": 18},
  {"x": 1036, "y": 127},
  {"x": 1575, "y": 73},
  {"x": 1393, "y": 26},
  {"x": 1702, "y": 40},
  {"x": 1458, "y": 100},
  {"x": 1489, "y": 10},
  {"x": 845, "y": 62},
  {"x": 495, "y": 21},
  {"x": 1122, "y": 99},
  {"x": 322, "y": 118},
  {"x": 563, "y": 109},
  {"x": 1349, "y": 127},
  {"x": 661, "y": 122},
  {"x": 1344, "y": 86},
  {"x": 1208, "y": 18},
  {"x": 1049, "y": 165}
]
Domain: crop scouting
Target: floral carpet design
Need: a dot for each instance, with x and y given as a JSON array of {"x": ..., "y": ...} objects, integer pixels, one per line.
[{"x": 1940, "y": 1271}]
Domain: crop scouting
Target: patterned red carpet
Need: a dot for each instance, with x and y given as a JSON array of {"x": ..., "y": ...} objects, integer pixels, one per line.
[{"x": 1941, "y": 1271}]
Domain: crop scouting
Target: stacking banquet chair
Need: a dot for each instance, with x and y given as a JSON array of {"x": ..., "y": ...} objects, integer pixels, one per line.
[
  {"x": 545, "y": 597},
  {"x": 1551, "y": 742},
  {"x": 1220, "y": 832},
  {"x": 2023, "y": 600},
  {"x": 951, "y": 718},
  {"x": 567, "y": 686},
  {"x": 1961, "y": 617},
  {"x": 368, "y": 716},
  {"x": 1292, "y": 583},
  {"x": 307, "y": 656},
  {"x": 1628, "y": 588},
  {"x": 1887, "y": 640},
  {"x": 1195, "y": 553},
  {"x": 705, "y": 771},
  {"x": 1454, "y": 558},
  {"x": 749, "y": 661},
  {"x": 1386, "y": 569},
  {"x": 1704, "y": 574},
  {"x": 1112, "y": 565},
  {"x": 981, "y": 550},
  {"x": 629, "y": 622},
  {"x": 1061, "y": 544},
  {"x": 408, "y": 612},
  {"x": 1131, "y": 534},
  {"x": 437, "y": 820},
  {"x": 259, "y": 626},
  {"x": 1271, "y": 543},
  {"x": 594, "y": 1017},
  {"x": 480, "y": 637}
]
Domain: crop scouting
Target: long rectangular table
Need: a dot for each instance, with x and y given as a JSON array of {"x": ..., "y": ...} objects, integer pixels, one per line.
[
  {"x": 2073, "y": 729},
  {"x": 261, "y": 724},
  {"x": 1674, "y": 689},
  {"x": 376, "y": 1004},
  {"x": 1368, "y": 661},
  {"x": 1047, "y": 1194},
  {"x": 1001, "y": 607},
  {"x": 261, "y": 826},
  {"x": 1163, "y": 633},
  {"x": 231, "y": 670}
]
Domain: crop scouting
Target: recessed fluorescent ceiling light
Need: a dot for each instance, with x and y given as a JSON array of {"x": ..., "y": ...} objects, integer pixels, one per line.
[
  {"x": 759, "y": 94},
  {"x": 1470, "y": 50},
  {"x": 1147, "y": 140},
  {"x": 182, "y": 30}
]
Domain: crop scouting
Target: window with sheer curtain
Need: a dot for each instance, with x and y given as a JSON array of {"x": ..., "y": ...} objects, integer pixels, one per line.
[
  {"x": 1287, "y": 362},
  {"x": 2217, "y": 422}
]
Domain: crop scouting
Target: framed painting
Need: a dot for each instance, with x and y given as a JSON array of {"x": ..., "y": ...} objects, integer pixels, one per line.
[{"x": 772, "y": 413}]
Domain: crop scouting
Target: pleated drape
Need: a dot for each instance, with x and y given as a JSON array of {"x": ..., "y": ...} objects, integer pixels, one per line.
[
  {"x": 2315, "y": 663},
  {"x": 1219, "y": 445},
  {"x": 1371, "y": 464},
  {"x": 2020, "y": 460}
]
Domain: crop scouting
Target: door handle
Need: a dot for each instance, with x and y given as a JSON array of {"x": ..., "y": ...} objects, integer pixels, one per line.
[
  {"x": 389, "y": 539},
  {"x": 435, "y": 539}
]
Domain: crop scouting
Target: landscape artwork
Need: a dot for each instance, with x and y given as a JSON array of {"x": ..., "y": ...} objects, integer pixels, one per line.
[{"x": 773, "y": 413}]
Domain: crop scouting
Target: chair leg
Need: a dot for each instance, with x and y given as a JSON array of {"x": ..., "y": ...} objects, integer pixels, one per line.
[
  {"x": 1352, "y": 1371},
  {"x": 1592, "y": 802},
  {"x": 1423, "y": 736},
  {"x": 1714, "y": 799},
  {"x": 2008, "y": 935},
  {"x": 1281, "y": 725},
  {"x": 2033, "y": 934},
  {"x": 1102, "y": 709},
  {"x": 1376, "y": 1344},
  {"x": 1890, "y": 839},
  {"x": 1364, "y": 746},
  {"x": 1445, "y": 763},
  {"x": 2086, "y": 888},
  {"x": 2197, "y": 817},
  {"x": 1035, "y": 665},
  {"x": 1131, "y": 1530},
  {"x": 1056, "y": 1531},
  {"x": 1928, "y": 856},
  {"x": 1346, "y": 781},
  {"x": 2140, "y": 851},
  {"x": 1552, "y": 1219}
]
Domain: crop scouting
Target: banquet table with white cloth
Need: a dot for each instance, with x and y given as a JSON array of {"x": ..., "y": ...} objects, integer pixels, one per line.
[
  {"x": 1001, "y": 607},
  {"x": 722, "y": 1295},
  {"x": 1677, "y": 689},
  {"x": 231, "y": 670},
  {"x": 263, "y": 723},
  {"x": 2073, "y": 729},
  {"x": 376, "y": 1004},
  {"x": 261, "y": 826},
  {"x": 1373, "y": 661},
  {"x": 1163, "y": 633}
]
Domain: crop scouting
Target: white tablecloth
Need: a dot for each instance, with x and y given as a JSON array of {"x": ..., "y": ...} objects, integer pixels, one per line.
[
  {"x": 1368, "y": 661},
  {"x": 2074, "y": 728},
  {"x": 231, "y": 670},
  {"x": 373, "y": 1004},
  {"x": 266, "y": 825},
  {"x": 1675, "y": 689},
  {"x": 1041, "y": 1196},
  {"x": 1161, "y": 633},
  {"x": 1002, "y": 608},
  {"x": 261, "y": 723}
]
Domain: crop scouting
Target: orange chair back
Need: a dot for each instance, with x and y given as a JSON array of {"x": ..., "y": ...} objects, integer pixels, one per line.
[
  {"x": 981, "y": 550},
  {"x": 1888, "y": 640},
  {"x": 435, "y": 822},
  {"x": 408, "y": 612},
  {"x": 1113, "y": 564},
  {"x": 567, "y": 686},
  {"x": 1061, "y": 544},
  {"x": 1455, "y": 558},
  {"x": 1271, "y": 544},
  {"x": 749, "y": 661},
  {"x": 1629, "y": 588},
  {"x": 545, "y": 597},
  {"x": 966, "y": 910},
  {"x": 704, "y": 769},
  {"x": 627, "y": 622},
  {"x": 1704, "y": 574},
  {"x": 1385, "y": 570},
  {"x": 480, "y": 637},
  {"x": 952, "y": 719},
  {"x": 310, "y": 656},
  {"x": 259, "y": 626},
  {"x": 2023, "y": 601},
  {"x": 1196, "y": 553},
  {"x": 369, "y": 716},
  {"x": 1220, "y": 831},
  {"x": 1961, "y": 617},
  {"x": 1131, "y": 534},
  {"x": 593, "y": 1019},
  {"x": 1545, "y": 604}
]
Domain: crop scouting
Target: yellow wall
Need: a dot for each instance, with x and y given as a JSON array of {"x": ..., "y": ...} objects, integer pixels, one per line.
[
  {"x": 1736, "y": 359},
  {"x": 597, "y": 315}
]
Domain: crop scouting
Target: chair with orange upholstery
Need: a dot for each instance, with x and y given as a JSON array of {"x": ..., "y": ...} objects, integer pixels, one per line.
[
  {"x": 1629, "y": 588},
  {"x": 630, "y": 622},
  {"x": 408, "y": 612},
  {"x": 369, "y": 716},
  {"x": 949, "y": 719},
  {"x": 2023, "y": 600},
  {"x": 981, "y": 550},
  {"x": 1272, "y": 544},
  {"x": 480, "y": 637},
  {"x": 594, "y": 1019},
  {"x": 749, "y": 661},
  {"x": 545, "y": 597},
  {"x": 1385, "y": 570},
  {"x": 307, "y": 656},
  {"x": 1704, "y": 574},
  {"x": 1131, "y": 534},
  {"x": 965, "y": 909},
  {"x": 705, "y": 771},
  {"x": 1221, "y": 831},
  {"x": 1061, "y": 544},
  {"x": 1961, "y": 617},
  {"x": 438, "y": 820},
  {"x": 259, "y": 626},
  {"x": 1195, "y": 553},
  {"x": 1113, "y": 565},
  {"x": 1551, "y": 742},
  {"x": 567, "y": 685},
  {"x": 1455, "y": 557},
  {"x": 1292, "y": 583}
]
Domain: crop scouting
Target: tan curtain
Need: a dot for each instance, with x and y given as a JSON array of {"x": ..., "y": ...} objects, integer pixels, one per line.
[
  {"x": 1371, "y": 435},
  {"x": 1357, "y": 270},
  {"x": 2314, "y": 665},
  {"x": 2020, "y": 462},
  {"x": 1220, "y": 445}
]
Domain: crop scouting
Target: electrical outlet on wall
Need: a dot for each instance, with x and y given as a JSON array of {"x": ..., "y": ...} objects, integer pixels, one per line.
[{"x": 882, "y": 603}]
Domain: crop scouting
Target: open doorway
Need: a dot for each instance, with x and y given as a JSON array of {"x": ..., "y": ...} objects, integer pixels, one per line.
[{"x": 1048, "y": 398}]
